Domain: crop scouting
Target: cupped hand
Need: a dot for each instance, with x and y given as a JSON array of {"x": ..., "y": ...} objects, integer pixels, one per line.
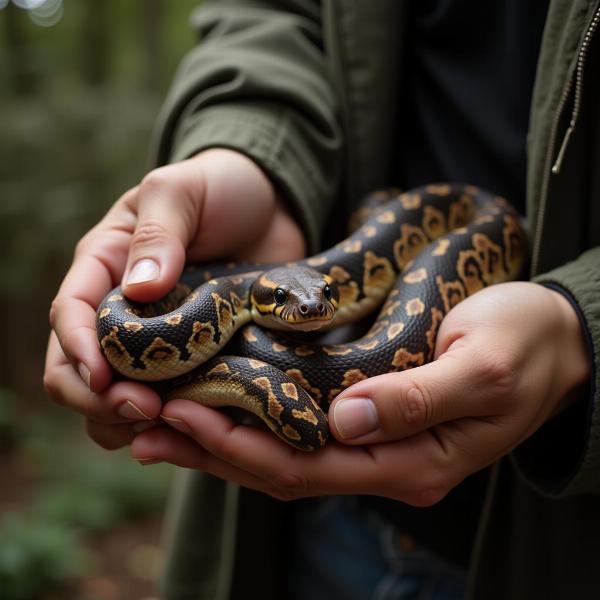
[
  {"x": 218, "y": 204},
  {"x": 507, "y": 359}
]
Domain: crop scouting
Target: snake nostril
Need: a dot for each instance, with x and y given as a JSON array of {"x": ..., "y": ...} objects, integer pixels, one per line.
[
  {"x": 320, "y": 307},
  {"x": 303, "y": 309}
]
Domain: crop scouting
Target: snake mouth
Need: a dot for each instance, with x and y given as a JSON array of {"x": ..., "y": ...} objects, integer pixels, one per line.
[{"x": 307, "y": 324}]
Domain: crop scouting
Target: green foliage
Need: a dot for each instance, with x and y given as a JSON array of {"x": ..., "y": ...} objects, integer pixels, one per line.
[{"x": 36, "y": 556}]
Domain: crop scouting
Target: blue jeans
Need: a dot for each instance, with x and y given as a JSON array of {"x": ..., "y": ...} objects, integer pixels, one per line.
[{"x": 341, "y": 553}]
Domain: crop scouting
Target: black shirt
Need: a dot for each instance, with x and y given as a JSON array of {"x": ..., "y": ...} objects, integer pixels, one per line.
[{"x": 467, "y": 80}]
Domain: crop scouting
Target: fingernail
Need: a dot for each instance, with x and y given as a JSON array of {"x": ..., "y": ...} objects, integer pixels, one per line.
[
  {"x": 85, "y": 374},
  {"x": 354, "y": 417},
  {"x": 178, "y": 424},
  {"x": 128, "y": 410},
  {"x": 142, "y": 271},
  {"x": 148, "y": 461}
]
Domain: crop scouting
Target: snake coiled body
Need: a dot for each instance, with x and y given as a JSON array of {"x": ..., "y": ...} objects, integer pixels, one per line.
[{"x": 419, "y": 255}]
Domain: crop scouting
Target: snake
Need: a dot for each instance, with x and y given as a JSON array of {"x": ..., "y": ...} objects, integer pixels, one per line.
[{"x": 251, "y": 336}]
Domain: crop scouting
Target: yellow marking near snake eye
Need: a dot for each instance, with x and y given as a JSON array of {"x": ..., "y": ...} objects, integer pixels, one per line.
[
  {"x": 414, "y": 307},
  {"x": 133, "y": 326},
  {"x": 104, "y": 313},
  {"x": 305, "y": 415},
  {"x": 174, "y": 319},
  {"x": 415, "y": 276},
  {"x": 115, "y": 298},
  {"x": 290, "y": 390},
  {"x": 267, "y": 283}
]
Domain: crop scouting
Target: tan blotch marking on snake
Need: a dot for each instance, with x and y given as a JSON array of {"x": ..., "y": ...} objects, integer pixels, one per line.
[
  {"x": 274, "y": 407},
  {"x": 394, "y": 330},
  {"x": 370, "y": 231},
  {"x": 368, "y": 345},
  {"x": 114, "y": 350},
  {"x": 434, "y": 222},
  {"x": 290, "y": 433},
  {"x": 224, "y": 312},
  {"x": 415, "y": 307},
  {"x": 412, "y": 240},
  {"x": 202, "y": 334},
  {"x": 249, "y": 335},
  {"x": 192, "y": 297},
  {"x": 441, "y": 189},
  {"x": 174, "y": 320},
  {"x": 255, "y": 364},
  {"x": 302, "y": 351},
  {"x": 277, "y": 347},
  {"x": 403, "y": 359},
  {"x": 134, "y": 312},
  {"x": 389, "y": 308},
  {"x": 416, "y": 276},
  {"x": 290, "y": 390},
  {"x": 410, "y": 201},
  {"x": 237, "y": 303},
  {"x": 441, "y": 248},
  {"x": 337, "y": 350},
  {"x": 299, "y": 378},
  {"x": 387, "y": 217},
  {"x": 378, "y": 274},
  {"x": 317, "y": 261},
  {"x": 219, "y": 369},
  {"x": 115, "y": 298},
  {"x": 159, "y": 351},
  {"x": 133, "y": 326},
  {"x": 305, "y": 415},
  {"x": 348, "y": 289},
  {"x": 451, "y": 292},
  {"x": 104, "y": 312},
  {"x": 431, "y": 335},
  {"x": 352, "y": 247}
]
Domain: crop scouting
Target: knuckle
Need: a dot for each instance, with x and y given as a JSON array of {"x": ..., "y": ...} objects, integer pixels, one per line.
[
  {"x": 414, "y": 405},
  {"x": 497, "y": 371},
  {"x": 56, "y": 308},
  {"x": 149, "y": 233},
  {"x": 155, "y": 181},
  {"x": 430, "y": 490},
  {"x": 289, "y": 486},
  {"x": 102, "y": 436},
  {"x": 52, "y": 386}
]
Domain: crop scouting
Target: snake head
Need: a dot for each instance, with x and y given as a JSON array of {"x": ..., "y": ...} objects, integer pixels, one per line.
[{"x": 294, "y": 298}]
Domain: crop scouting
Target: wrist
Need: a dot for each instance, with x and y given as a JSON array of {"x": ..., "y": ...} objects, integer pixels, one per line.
[{"x": 573, "y": 360}]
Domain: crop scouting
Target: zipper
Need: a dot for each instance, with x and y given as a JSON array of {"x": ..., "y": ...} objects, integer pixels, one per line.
[{"x": 575, "y": 82}]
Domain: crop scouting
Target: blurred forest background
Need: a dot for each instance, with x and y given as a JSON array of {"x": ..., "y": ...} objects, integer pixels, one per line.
[{"x": 81, "y": 82}]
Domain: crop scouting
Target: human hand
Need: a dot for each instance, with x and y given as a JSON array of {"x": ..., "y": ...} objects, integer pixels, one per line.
[
  {"x": 508, "y": 358},
  {"x": 218, "y": 204}
]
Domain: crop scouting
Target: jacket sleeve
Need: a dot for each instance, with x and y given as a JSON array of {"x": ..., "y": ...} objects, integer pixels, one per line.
[
  {"x": 258, "y": 83},
  {"x": 563, "y": 457}
]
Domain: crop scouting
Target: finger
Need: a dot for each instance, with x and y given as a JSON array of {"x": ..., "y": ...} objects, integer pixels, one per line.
[
  {"x": 169, "y": 205},
  {"x": 164, "y": 445},
  {"x": 122, "y": 402},
  {"x": 464, "y": 382},
  {"x": 113, "y": 437}
]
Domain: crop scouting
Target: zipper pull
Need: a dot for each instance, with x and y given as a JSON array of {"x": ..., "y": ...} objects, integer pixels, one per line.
[{"x": 561, "y": 153}]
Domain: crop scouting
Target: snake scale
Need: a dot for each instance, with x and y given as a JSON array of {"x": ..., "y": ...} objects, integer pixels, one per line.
[{"x": 418, "y": 255}]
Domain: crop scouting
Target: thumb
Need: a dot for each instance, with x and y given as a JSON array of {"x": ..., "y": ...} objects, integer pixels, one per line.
[
  {"x": 168, "y": 214},
  {"x": 397, "y": 405}
]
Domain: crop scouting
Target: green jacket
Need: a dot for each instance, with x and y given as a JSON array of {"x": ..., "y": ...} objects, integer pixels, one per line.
[{"x": 309, "y": 90}]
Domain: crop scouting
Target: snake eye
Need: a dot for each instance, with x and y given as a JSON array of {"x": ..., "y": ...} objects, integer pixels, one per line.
[
  {"x": 280, "y": 296},
  {"x": 327, "y": 292}
]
